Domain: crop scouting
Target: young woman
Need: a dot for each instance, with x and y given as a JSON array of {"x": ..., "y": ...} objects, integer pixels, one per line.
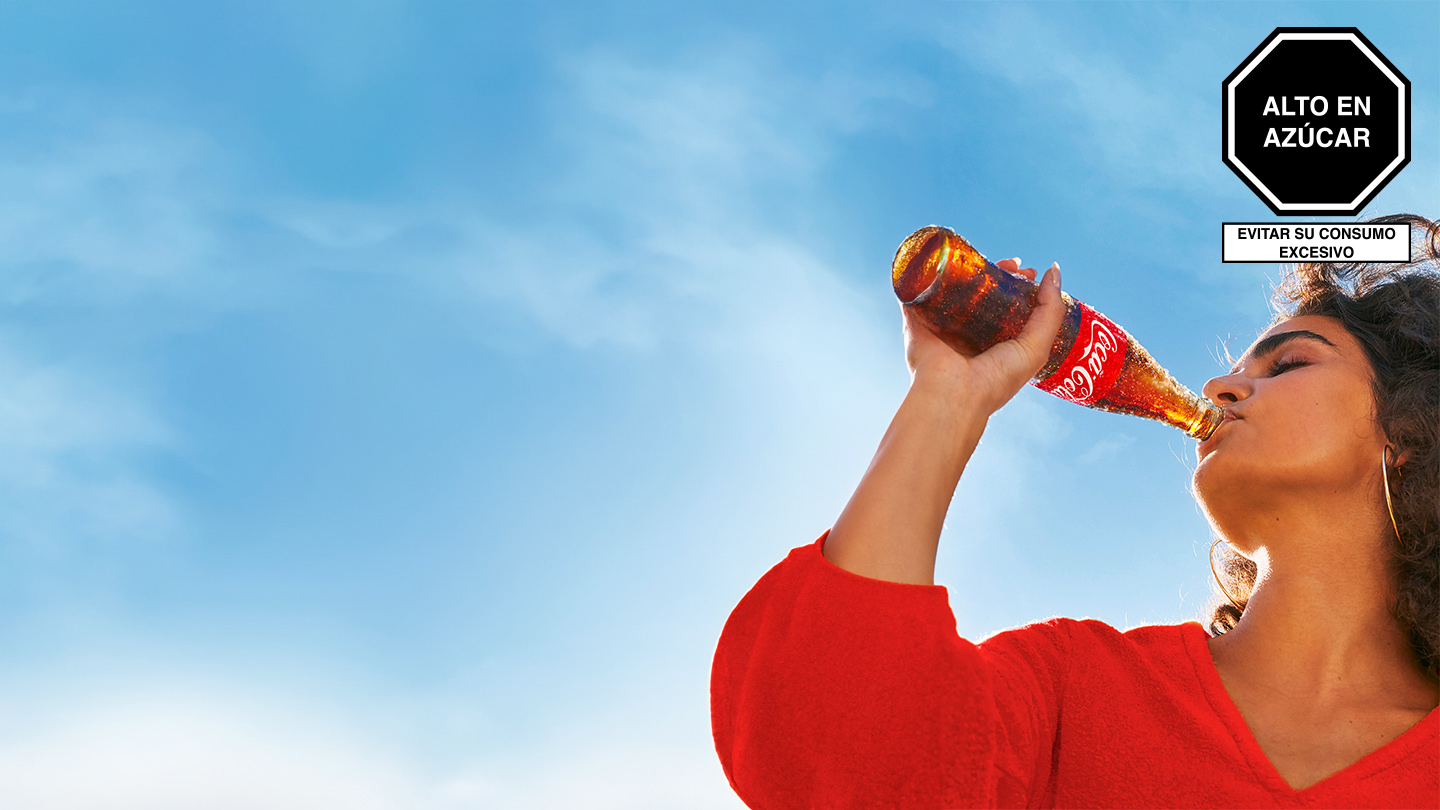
[{"x": 840, "y": 680}]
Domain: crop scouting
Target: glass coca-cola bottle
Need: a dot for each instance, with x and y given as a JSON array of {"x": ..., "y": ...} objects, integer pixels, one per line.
[{"x": 972, "y": 305}]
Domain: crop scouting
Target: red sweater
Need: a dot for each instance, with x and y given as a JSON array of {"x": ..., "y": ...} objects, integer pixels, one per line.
[{"x": 833, "y": 690}]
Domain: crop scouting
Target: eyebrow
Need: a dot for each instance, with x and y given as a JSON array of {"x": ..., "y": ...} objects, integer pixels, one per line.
[{"x": 1274, "y": 342}]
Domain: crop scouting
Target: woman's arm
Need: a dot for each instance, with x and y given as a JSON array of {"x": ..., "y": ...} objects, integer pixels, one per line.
[
  {"x": 834, "y": 688},
  {"x": 890, "y": 529}
]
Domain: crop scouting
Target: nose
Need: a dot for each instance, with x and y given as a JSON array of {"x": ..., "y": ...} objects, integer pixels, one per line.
[{"x": 1228, "y": 389}]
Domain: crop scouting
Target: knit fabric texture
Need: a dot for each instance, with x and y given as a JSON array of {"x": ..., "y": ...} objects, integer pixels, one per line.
[{"x": 834, "y": 690}]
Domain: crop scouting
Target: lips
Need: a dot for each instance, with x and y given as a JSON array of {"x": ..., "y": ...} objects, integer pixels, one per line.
[{"x": 1210, "y": 440}]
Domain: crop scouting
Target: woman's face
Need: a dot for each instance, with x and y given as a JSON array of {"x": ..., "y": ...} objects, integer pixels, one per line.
[{"x": 1299, "y": 424}]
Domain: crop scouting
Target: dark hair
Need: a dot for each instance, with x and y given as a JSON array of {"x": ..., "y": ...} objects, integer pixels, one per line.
[{"x": 1393, "y": 310}]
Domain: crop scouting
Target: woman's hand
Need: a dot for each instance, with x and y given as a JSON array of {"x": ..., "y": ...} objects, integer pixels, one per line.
[
  {"x": 991, "y": 378},
  {"x": 890, "y": 529}
]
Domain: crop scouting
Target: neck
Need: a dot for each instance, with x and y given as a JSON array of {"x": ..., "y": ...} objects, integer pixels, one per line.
[
  {"x": 1303, "y": 649},
  {"x": 1318, "y": 631}
]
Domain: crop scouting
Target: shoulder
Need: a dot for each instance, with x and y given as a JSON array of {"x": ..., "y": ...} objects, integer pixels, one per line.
[
  {"x": 1095, "y": 633},
  {"x": 1169, "y": 652},
  {"x": 1145, "y": 635},
  {"x": 1097, "y": 643}
]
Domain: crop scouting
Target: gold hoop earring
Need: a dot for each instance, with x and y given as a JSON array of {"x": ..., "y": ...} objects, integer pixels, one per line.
[
  {"x": 1385, "y": 475},
  {"x": 1237, "y": 605}
]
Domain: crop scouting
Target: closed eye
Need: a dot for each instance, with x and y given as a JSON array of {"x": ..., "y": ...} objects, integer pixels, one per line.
[{"x": 1282, "y": 366}]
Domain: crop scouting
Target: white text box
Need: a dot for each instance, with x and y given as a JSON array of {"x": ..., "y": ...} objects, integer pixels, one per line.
[{"x": 1315, "y": 242}]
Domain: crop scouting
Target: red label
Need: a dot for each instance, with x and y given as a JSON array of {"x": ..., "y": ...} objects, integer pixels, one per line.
[{"x": 1094, "y": 362}]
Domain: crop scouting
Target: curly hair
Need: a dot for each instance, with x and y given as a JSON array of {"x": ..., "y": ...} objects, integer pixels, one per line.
[{"x": 1393, "y": 310}]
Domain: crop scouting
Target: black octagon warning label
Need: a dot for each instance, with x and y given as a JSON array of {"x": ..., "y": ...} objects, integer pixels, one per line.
[{"x": 1316, "y": 121}]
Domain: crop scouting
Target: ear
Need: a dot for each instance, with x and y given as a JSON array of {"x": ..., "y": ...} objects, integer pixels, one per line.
[{"x": 1399, "y": 461}]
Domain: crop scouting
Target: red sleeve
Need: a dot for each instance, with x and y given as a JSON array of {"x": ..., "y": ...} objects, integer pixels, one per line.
[{"x": 833, "y": 690}]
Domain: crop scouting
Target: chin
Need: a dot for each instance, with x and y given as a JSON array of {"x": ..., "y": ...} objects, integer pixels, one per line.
[
  {"x": 1207, "y": 479},
  {"x": 1220, "y": 488}
]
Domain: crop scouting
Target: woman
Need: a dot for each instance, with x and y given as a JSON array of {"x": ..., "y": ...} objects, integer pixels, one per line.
[{"x": 840, "y": 680}]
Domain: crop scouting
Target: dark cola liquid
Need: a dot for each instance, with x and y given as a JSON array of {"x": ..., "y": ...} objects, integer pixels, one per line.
[{"x": 972, "y": 305}]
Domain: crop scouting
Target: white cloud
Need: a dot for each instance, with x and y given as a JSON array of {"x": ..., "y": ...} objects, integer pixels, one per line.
[
  {"x": 68, "y": 445},
  {"x": 99, "y": 208},
  {"x": 701, "y": 140},
  {"x": 1142, "y": 121},
  {"x": 206, "y": 748},
  {"x": 679, "y": 163},
  {"x": 342, "y": 225},
  {"x": 603, "y": 776},
  {"x": 191, "y": 752}
]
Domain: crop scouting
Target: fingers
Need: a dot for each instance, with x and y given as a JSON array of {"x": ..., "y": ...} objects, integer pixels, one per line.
[
  {"x": 913, "y": 324},
  {"x": 907, "y": 315},
  {"x": 909, "y": 323},
  {"x": 1013, "y": 266},
  {"x": 1039, "y": 333}
]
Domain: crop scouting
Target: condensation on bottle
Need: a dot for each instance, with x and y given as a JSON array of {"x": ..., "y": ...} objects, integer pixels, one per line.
[{"x": 972, "y": 305}]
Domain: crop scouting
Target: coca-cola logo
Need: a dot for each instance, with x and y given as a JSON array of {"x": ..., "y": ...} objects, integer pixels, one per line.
[
  {"x": 1092, "y": 363},
  {"x": 1080, "y": 384},
  {"x": 1077, "y": 386}
]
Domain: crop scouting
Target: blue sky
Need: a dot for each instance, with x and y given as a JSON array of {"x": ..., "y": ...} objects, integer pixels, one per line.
[{"x": 396, "y": 397}]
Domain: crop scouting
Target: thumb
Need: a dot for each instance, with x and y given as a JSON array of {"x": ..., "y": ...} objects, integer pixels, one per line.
[{"x": 1039, "y": 333}]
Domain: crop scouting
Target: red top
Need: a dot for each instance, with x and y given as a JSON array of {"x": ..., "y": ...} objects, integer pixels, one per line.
[{"x": 833, "y": 690}]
